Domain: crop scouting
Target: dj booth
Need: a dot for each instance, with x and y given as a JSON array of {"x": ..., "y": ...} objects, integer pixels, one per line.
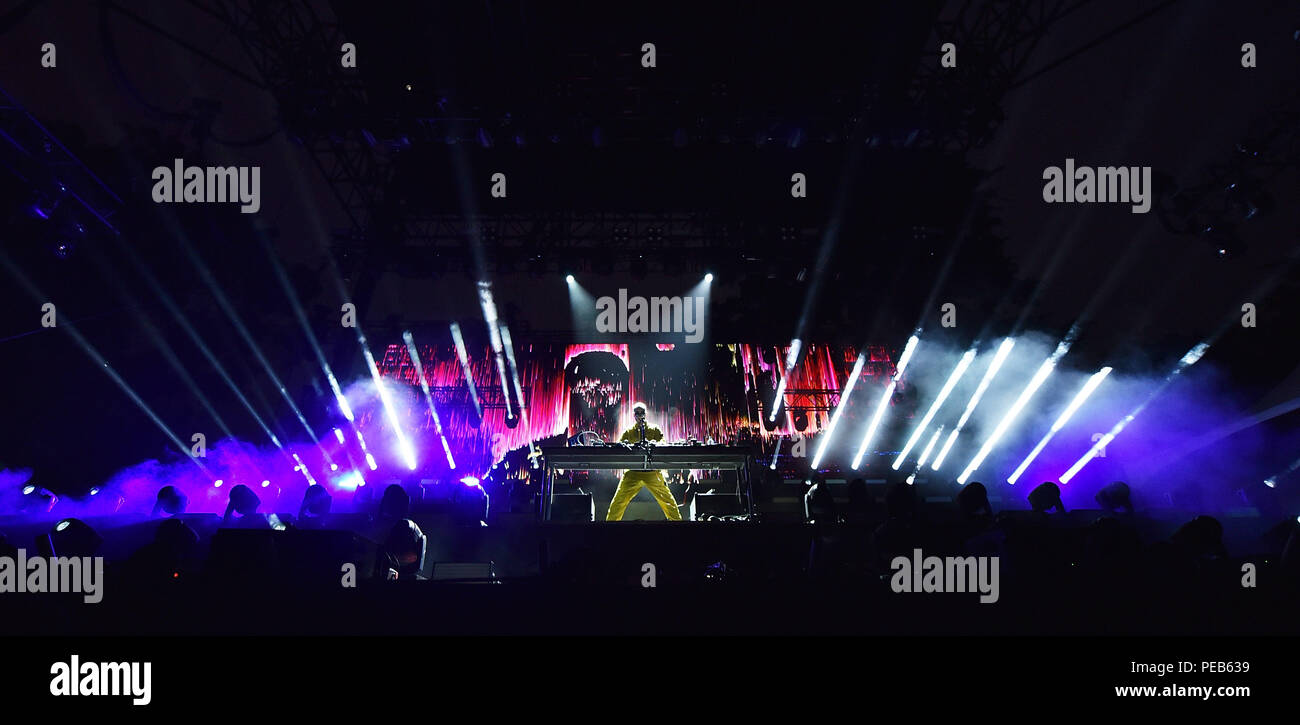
[{"x": 617, "y": 456}]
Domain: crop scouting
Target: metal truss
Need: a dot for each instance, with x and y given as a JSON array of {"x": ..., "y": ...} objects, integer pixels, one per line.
[
  {"x": 323, "y": 105},
  {"x": 960, "y": 108},
  {"x": 811, "y": 399},
  {"x": 1234, "y": 191},
  {"x": 50, "y": 169},
  {"x": 566, "y": 229},
  {"x": 490, "y": 397}
]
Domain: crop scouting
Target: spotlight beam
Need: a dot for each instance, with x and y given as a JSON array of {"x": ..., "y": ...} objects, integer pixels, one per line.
[
  {"x": 102, "y": 364},
  {"x": 925, "y": 455},
  {"x": 424, "y": 384},
  {"x": 168, "y": 353},
  {"x": 403, "y": 444},
  {"x": 1000, "y": 357},
  {"x": 302, "y": 467},
  {"x": 875, "y": 423},
  {"x": 944, "y": 392},
  {"x": 777, "y": 454},
  {"x": 370, "y": 458},
  {"x": 831, "y": 232},
  {"x": 519, "y": 388},
  {"x": 463, "y": 356},
  {"x": 237, "y": 322},
  {"x": 1044, "y": 371},
  {"x": 193, "y": 334},
  {"x": 311, "y": 336},
  {"x": 494, "y": 336},
  {"x": 1061, "y": 420},
  {"x": 1271, "y": 481},
  {"x": 428, "y": 397},
  {"x": 344, "y": 407},
  {"x": 791, "y": 359},
  {"x": 1166, "y": 458},
  {"x": 870, "y": 433},
  {"x": 514, "y": 366},
  {"x": 839, "y": 410},
  {"x": 1185, "y": 362}
]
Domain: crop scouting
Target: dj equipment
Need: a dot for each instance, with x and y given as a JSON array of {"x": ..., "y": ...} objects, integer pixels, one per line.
[
  {"x": 646, "y": 457},
  {"x": 715, "y": 505},
  {"x": 572, "y": 507}
]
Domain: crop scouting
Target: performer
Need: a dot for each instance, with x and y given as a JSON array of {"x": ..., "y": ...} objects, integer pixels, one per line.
[{"x": 641, "y": 433}]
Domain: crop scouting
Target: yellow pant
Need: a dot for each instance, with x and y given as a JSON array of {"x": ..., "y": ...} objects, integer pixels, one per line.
[{"x": 632, "y": 483}]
